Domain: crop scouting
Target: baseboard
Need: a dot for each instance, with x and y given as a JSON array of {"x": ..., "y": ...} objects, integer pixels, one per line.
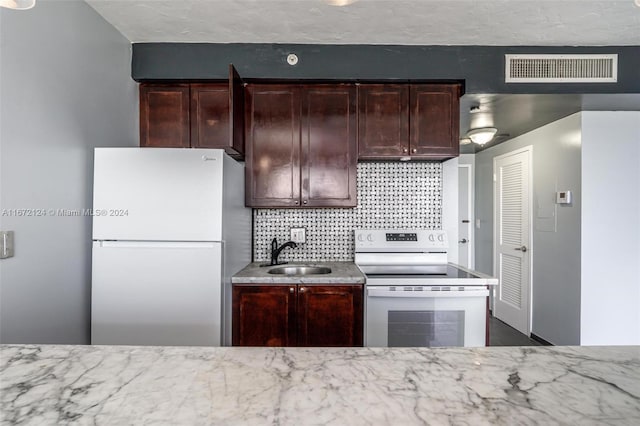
[{"x": 541, "y": 340}]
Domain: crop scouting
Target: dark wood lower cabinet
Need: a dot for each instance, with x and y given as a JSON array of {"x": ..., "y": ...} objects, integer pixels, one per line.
[
  {"x": 264, "y": 315},
  {"x": 298, "y": 315},
  {"x": 330, "y": 315}
]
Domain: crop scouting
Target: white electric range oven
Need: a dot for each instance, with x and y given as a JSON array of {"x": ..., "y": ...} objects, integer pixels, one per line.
[{"x": 414, "y": 297}]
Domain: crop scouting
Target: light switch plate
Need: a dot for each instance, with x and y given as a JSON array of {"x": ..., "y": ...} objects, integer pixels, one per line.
[
  {"x": 6, "y": 244},
  {"x": 299, "y": 235},
  {"x": 563, "y": 197}
]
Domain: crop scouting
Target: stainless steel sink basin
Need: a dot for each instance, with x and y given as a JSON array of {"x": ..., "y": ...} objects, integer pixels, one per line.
[{"x": 300, "y": 270}]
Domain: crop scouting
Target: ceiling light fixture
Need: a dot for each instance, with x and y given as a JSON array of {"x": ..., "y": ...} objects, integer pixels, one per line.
[
  {"x": 340, "y": 2},
  {"x": 482, "y": 135},
  {"x": 18, "y": 4}
]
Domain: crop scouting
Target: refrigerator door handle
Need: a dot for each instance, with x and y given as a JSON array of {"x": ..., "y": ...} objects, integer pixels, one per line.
[{"x": 154, "y": 244}]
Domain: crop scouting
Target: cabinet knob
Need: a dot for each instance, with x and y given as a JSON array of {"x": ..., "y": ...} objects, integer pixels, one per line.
[
  {"x": 414, "y": 150},
  {"x": 405, "y": 150},
  {"x": 304, "y": 202},
  {"x": 301, "y": 289},
  {"x": 292, "y": 289},
  {"x": 296, "y": 202}
]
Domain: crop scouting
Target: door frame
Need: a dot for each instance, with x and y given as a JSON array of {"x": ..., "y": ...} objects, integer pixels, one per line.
[
  {"x": 529, "y": 151},
  {"x": 471, "y": 258}
]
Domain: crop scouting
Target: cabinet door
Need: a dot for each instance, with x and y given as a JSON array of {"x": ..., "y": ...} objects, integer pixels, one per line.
[
  {"x": 210, "y": 116},
  {"x": 273, "y": 146},
  {"x": 164, "y": 115},
  {"x": 383, "y": 121},
  {"x": 236, "y": 113},
  {"x": 264, "y": 315},
  {"x": 329, "y": 146},
  {"x": 330, "y": 315},
  {"x": 434, "y": 120}
]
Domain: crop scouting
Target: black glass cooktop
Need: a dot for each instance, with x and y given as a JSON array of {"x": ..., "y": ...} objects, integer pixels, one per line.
[{"x": 452, "y": 272}]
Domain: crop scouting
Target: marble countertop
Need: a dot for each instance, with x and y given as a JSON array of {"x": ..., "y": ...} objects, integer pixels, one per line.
[
  {"x": 472, "y": 271},
  {"x": 120, "y": 385},
  {"x": 341, "y": 273}
]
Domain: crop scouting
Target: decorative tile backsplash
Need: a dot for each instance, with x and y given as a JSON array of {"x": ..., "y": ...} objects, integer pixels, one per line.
[{"x": 390, "y": 195}]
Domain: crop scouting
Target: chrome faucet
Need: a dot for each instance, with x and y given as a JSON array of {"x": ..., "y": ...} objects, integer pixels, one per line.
[{"x": 275, "y": 251}]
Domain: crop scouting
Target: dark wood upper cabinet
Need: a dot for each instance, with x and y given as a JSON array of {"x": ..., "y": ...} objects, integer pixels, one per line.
[
  {"x": 434, "y": 120},
  {"x": 273, "y": 146},
  {"x": 210, "y": 115},
  {"x": 197, "y": 115},
  {"x": 298, "y": 315},
  {"x": 301, "y": 145},
  {"x": 383, "y": 120},
  {"x": 330, "y": 315},
  {"x": 164, "y": 116},
  {"x": 303, "y": 140},
  {"x": 264, "y": 315},
  {"x": 329, "y": 148},
  {"x": 419, "y": 121}
]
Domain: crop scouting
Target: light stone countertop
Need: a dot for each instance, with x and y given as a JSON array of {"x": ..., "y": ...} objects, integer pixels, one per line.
[
  {"x": 341, "y": 273},
  {"x": 120, "y": 385},
  {"x": 472, "y": 271}
]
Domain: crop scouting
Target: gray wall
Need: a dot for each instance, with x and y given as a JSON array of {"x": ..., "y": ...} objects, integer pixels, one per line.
[
  {"x": 66, "y": 88},
  {"x": 555, "y": 247}
]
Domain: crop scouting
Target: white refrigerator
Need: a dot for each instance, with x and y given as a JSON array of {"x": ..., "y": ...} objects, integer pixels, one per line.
[{"x": 169, "y": 230}]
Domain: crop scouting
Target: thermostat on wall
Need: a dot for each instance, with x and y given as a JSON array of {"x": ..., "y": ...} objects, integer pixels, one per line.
[{"x": 563, "y": 197}]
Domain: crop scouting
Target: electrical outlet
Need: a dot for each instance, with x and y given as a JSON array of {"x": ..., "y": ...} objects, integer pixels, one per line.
[{"x": 299, "y": 235}]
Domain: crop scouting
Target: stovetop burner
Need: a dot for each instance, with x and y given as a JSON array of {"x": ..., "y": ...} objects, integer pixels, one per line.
[{"x": 451, "y": 272}]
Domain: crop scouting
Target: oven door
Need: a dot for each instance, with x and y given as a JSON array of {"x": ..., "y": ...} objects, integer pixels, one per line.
[{"x": 423, "y": 316}]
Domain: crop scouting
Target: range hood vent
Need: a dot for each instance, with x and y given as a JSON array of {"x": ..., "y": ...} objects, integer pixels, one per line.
[{"x": 561, "y": 68}]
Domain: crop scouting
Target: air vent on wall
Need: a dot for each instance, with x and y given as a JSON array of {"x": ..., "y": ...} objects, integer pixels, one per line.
[{"x": 561, "y": 68}]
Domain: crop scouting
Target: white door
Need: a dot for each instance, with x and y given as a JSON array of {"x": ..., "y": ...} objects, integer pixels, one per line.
[
  {"x": 512, "y": 175},
  {"x": 465, "y": 215},
  {"x": 167, "y": 294},
  {"x": 157, "y": 194}
]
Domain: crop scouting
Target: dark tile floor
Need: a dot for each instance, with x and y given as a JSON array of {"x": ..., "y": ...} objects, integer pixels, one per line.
[{"x": 500, "y": 334}]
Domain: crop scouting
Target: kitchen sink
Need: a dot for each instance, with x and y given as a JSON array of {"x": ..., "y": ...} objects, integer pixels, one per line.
[{"x": 300, "y": 270}]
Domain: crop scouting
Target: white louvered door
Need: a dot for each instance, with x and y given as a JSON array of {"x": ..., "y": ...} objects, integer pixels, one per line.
[{"x": 512, "y": 238}]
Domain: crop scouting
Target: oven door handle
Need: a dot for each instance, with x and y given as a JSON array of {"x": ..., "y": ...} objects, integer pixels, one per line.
[{"x": 376, "y": 292}]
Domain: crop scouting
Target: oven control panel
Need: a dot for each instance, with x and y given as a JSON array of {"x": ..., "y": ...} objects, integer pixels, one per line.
[
  {"x": 401, "y": 236},
  {"x": 381, "y": 240}
]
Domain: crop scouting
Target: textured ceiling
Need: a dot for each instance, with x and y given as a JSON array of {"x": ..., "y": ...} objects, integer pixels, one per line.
[{"x": 415, "y": 22}]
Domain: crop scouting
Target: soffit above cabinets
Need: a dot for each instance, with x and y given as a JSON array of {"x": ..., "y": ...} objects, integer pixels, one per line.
[{"x": 408, "y": 22}]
